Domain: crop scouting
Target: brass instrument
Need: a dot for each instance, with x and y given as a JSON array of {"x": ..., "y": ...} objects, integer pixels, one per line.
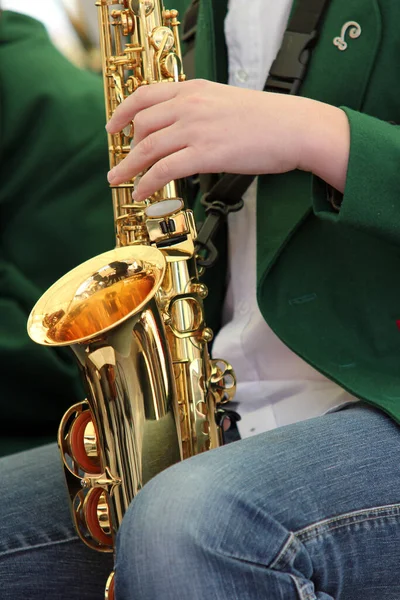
[{"x": 134, "y": 315}]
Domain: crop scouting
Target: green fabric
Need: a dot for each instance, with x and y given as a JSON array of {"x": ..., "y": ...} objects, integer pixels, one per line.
[
  {"x": 327, "y": 282},
  {"x": 55, "y": 212}
]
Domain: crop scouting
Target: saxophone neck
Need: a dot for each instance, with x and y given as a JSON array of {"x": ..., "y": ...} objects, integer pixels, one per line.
[{"x": 139, "y": 46}]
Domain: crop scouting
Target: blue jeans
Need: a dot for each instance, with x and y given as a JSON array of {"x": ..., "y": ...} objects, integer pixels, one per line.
[
  {"x": 41, "y": 557},
  {"x": 309, "y": 511}
]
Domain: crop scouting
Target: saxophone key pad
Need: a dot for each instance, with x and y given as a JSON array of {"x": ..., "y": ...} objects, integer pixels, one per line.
[
  {"x": 163, "y": 39},
  {"x": 163, "y": 209},
  {"x": 166, "y": 219}
]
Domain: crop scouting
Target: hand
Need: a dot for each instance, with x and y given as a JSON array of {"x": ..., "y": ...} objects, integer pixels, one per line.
[{"x": 203, "y": 127}]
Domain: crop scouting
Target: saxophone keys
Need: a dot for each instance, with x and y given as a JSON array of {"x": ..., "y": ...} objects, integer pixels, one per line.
[
  {"x": 199, "y": 288},
  {"x": 222, "y": 380},
  {"x": 171, "y": 15},
  {"x": 97, "y": 518},
  {"x": 171, "y": 67},
  {"x": 77, "y": 441},
  {"x": 132, "y": 84},
  {"x": 162, "y": 39},
  {"x": 105, "y": 481},
  {"x": 135, "y": 7},
  {"x": 125, "y": 20},
  {"x": 207, "y": 335},
  {"x": 83, "y": 443}
]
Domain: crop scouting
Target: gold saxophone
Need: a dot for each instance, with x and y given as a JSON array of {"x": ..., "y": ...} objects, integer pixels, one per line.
[{"x": 134, "y": 316}]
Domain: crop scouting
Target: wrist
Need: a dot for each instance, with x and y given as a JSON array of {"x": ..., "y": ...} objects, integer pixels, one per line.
[{"x": 325, "y": 143}]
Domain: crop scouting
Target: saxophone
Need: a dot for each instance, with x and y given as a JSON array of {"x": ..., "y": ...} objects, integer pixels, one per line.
[{"x": 134, "y": 316}]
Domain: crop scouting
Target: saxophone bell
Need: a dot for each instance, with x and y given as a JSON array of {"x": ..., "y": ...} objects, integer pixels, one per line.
[{"x": 106, "y": 311}]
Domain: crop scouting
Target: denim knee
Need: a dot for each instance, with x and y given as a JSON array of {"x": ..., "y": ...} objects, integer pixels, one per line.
[{"x": 191, "y": 520}]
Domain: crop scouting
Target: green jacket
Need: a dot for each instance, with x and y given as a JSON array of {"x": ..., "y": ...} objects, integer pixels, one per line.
[
  {"x": 55, "y": 212},
  {"x": 328, "y": 282}
]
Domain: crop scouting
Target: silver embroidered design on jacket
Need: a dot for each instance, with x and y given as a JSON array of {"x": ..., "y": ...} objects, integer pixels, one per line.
[{"x": 354, "y": 33}]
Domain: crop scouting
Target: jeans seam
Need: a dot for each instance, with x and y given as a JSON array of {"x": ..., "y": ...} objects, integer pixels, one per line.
[
  {"x": 246, "y": 561},
  {"x": 286, "y": 553},
  {"x": 345, "y": 519},
  {"x": 8, "y": 553},
  {"x": 283, "y": 557},
  {"x": 283, "y": 560},
  {"x": 300, "y": 591}
]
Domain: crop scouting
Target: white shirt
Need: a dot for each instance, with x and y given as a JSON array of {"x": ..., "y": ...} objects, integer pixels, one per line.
[{"x": 275, "y": 386}]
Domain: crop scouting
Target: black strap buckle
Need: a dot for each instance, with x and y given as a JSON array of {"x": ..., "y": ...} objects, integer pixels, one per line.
[
  {"x": 217, "y": 212},
  {"x": 220, "y": 206},
  {"x": 289, "y": 68}
]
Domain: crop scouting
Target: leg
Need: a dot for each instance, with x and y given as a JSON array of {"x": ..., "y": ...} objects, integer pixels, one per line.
[
  {"x": 309, "y": 511},
  {"x": 41, "y": 557}
]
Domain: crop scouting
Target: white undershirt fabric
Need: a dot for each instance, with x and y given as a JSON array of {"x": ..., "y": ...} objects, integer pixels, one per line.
[{"x": 275, "y": 386}]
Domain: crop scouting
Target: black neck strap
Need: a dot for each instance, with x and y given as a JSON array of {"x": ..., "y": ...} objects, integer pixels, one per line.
[
  {"x": 290, "y": 66},
  {"x": 307, "y": 15}
]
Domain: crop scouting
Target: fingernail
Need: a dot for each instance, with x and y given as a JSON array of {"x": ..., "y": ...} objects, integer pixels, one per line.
[
  {"x": 111, "y": 175},
  {"x": 134, "y": 195}
]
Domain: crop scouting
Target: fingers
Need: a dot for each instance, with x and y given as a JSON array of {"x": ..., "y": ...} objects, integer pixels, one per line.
[
  {"x": 154, "y": 119},
  {"x": 143, "y": 98},
  {"x": 162, "y": 115},
  {"x": 175, "y": 166},
  {"x": 150, "y": 149}
]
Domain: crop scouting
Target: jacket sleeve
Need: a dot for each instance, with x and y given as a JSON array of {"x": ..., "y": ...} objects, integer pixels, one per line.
[{"x": 371, "y": 200}]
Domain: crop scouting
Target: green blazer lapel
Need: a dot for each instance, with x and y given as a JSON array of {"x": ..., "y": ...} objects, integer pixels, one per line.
[
  {"x": 211, "y": 53},
  {"x": 345, "y": 55}
]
